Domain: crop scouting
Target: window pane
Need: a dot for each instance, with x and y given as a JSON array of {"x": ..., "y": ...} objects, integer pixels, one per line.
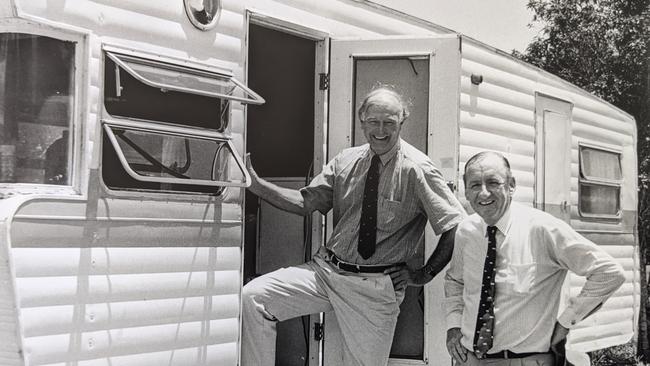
[
  {"x": 410, "y": 76},
  {"x": 36, "y": 101},
  {"x": 171, "y": 77},
  {"x": 599, "y": 164},
  {"x": 169, "y": 162},
  {"x": 185, "y": 79},
  {"x": 599, "y": 200},
  {"x": 141, "y": 101}
]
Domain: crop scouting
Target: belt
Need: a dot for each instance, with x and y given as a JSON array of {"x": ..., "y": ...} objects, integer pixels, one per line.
[
  {"x": 358, "y": 268},
  {"x": 509, "y": 354}
]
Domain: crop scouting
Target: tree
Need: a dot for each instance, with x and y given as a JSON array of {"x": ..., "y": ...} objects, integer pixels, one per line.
[{"x": 602, "y": 46}]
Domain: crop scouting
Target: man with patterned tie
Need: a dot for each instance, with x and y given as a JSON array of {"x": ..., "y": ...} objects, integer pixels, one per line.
[
  {"x": 502, "y": 289},
  {"x": 381, "y": 194}
]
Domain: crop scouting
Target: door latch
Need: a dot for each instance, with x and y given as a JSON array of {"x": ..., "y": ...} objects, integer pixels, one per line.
[
  {"x": 318, "y": 331},
  {"x": 324, "y": 81}
]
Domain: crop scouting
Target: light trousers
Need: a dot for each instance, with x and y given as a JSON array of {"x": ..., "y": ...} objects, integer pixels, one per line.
[
  {"x": 366, "y": 308},
  {"x": 542, "y": 359}
]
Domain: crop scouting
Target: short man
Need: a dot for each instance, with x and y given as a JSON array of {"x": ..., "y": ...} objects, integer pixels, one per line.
[
  {"x": 382, "y": 194},
  {"x": 502, "y": 289}
]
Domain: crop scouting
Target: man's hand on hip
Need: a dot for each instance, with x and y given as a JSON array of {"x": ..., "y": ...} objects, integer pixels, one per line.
[
  {"x": 403, "y": 276},
  {"x": 454, "y": 347}
]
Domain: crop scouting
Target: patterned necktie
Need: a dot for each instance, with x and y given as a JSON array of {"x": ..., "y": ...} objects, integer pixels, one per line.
[
  {"x": 368, "y": 221},
  {"x": 484, "y": 336}
]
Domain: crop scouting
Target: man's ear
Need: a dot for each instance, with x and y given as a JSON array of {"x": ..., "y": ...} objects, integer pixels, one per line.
[{"x": 512, "y": 185}]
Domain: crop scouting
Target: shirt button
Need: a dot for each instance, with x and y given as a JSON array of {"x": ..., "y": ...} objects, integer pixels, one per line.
[{"x": 573, "y": 322}]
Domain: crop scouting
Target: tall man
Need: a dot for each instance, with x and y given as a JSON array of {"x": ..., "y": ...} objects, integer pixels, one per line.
[
  {"x": 502, "y": 289},
  {"x": 382, "y": 194}
]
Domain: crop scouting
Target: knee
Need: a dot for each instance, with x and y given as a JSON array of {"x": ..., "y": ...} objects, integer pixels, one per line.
[
  {"x": 254, "y": 295},
  {"x": 252, "y": 291}
]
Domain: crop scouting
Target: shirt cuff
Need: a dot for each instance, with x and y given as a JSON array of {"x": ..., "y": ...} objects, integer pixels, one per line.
[
  {"x": 569, "y": 319},
  {"x": 449, "y": 225},
  {"x": 454, "y": 320}
]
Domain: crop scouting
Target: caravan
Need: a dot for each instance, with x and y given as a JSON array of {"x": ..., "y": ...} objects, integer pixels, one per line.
[{"x": 126, "y": 233}]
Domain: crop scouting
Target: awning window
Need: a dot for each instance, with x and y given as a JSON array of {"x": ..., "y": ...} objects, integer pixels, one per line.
[
  {"x": 177, "y": 158},
  {"x": 168, "y": 76}
]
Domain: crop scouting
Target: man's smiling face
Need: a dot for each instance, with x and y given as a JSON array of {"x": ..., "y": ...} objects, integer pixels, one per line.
[
  {"x": 381, "y": 122},
  {"x": 489, "y": 188}
]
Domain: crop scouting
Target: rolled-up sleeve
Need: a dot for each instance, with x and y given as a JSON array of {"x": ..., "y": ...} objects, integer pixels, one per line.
[
  {"x": 603, "y": 274},
  {"x": 318, "y": 195},
  {"x": 438, "y": 201}
]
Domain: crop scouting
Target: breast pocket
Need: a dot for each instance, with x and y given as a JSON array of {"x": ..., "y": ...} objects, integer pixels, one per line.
[
  {"x": 389, "y": 213},
  {"x": 522, "y": 277}
]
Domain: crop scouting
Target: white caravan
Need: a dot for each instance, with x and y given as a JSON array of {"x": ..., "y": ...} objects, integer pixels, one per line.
[{"x": 125, "y": 229}]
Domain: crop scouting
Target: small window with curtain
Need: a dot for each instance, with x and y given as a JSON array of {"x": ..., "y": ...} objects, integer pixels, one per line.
[
  {"x": 165, "y": 127},
  {"x": 600, "y": 183},
  {"x": 37, "y": 98}
]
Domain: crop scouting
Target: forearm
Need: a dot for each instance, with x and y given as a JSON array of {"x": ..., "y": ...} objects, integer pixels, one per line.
[
  {"x": 286, "y": 199},
  {"x": 442, "y": 254}
]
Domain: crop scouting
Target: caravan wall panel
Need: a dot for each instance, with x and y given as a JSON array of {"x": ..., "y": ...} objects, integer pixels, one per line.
[
  {"x": 124, "y": 279},
  {"x": 499, "y": 115},
  {"x": 106, "y": 278}
]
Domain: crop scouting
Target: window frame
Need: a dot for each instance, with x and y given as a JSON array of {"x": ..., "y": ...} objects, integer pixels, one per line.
[
  {"x": 170, "y": 128},
  {"x": 599, "y": 182},
  {"x": 173, "y": 130},
  {"x": 77, "y": 176},
  {"x": 120, "y": 56}
]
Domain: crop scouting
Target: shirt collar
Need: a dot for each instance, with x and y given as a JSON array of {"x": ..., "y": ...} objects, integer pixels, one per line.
[
  {"x": 388, "y": 155},
  {"x": 504, "y": 222}
]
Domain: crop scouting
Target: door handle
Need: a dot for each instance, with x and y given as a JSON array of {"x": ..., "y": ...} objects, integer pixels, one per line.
[{"x": 565, "y": 206}]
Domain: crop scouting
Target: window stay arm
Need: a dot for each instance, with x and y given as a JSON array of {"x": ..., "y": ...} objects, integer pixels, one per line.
[{"x": 150, "y": 158}]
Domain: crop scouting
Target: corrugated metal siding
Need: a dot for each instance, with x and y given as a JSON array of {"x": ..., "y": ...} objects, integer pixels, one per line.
[
  {"x": 139, "y": 282},
  {"x": 10, "y": 350},
  {"x": 131, "y": 281},
  {"x": 499, "y": 115},
  {"x": 82, "y": 302}
]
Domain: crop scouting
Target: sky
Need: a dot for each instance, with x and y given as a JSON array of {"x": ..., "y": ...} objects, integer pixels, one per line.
[{"x": 499, "y": 23}]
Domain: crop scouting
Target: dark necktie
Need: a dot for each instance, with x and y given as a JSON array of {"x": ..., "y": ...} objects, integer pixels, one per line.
[
  {"x": 368, "y": 221},
  {"x": 484, "y": 336}
]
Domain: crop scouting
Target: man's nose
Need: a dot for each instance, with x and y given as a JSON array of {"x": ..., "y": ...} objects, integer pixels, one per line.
[{"x": 484, "y": 191}]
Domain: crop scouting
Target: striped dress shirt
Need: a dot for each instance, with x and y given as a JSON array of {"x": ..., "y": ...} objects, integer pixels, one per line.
[
  {"x": 411, "y": 190},
  {"x": 534, "y": 252}
]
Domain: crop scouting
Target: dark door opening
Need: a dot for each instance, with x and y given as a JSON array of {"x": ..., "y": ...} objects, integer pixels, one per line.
[{"x": 280, "y": 139}]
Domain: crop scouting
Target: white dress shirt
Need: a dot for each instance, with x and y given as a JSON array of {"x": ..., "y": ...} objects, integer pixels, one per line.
[{"x": 534, "y": 252}]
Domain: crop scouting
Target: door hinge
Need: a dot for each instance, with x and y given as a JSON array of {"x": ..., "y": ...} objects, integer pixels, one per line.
[
  {"x": 318, "y": 331},
  {"x": 324, "y": 81}
]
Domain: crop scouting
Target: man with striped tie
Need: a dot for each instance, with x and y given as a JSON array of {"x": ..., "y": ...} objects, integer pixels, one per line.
[
  {"x": 502, "y": 289},
  {"x": 382, "y": 194}
]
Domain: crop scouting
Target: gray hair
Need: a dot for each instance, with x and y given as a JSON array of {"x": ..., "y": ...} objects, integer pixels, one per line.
[{"x": 384, "y": 89}]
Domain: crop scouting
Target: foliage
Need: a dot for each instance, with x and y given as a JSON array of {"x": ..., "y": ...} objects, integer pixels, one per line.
[
  {"x": 602, "y": 46},
  {"x": 624, "y": 354}
]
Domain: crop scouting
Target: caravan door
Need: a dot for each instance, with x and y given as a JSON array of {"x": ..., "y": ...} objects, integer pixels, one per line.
[
  {"x": 553, "y": 156},
  {"x": 427, "y": 72}
]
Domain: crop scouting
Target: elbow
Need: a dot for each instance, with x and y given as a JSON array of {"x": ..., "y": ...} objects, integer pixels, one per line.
[
  {"x": 304, "y": 209},
  {"x": 620, "y": 276},
  {"x": 616, "y": 276}
]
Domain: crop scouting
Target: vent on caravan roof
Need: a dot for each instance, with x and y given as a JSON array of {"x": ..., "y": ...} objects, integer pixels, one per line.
[{"x": 184, "y": 79}]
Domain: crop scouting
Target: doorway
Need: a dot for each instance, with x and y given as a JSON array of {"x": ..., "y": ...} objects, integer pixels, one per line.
[{"x": 281, "y": 140}]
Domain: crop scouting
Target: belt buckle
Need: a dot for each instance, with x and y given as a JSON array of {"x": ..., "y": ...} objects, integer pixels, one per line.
[
  {"x": 358, "y": 267},
  {"x": 505, "y": 354}
]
